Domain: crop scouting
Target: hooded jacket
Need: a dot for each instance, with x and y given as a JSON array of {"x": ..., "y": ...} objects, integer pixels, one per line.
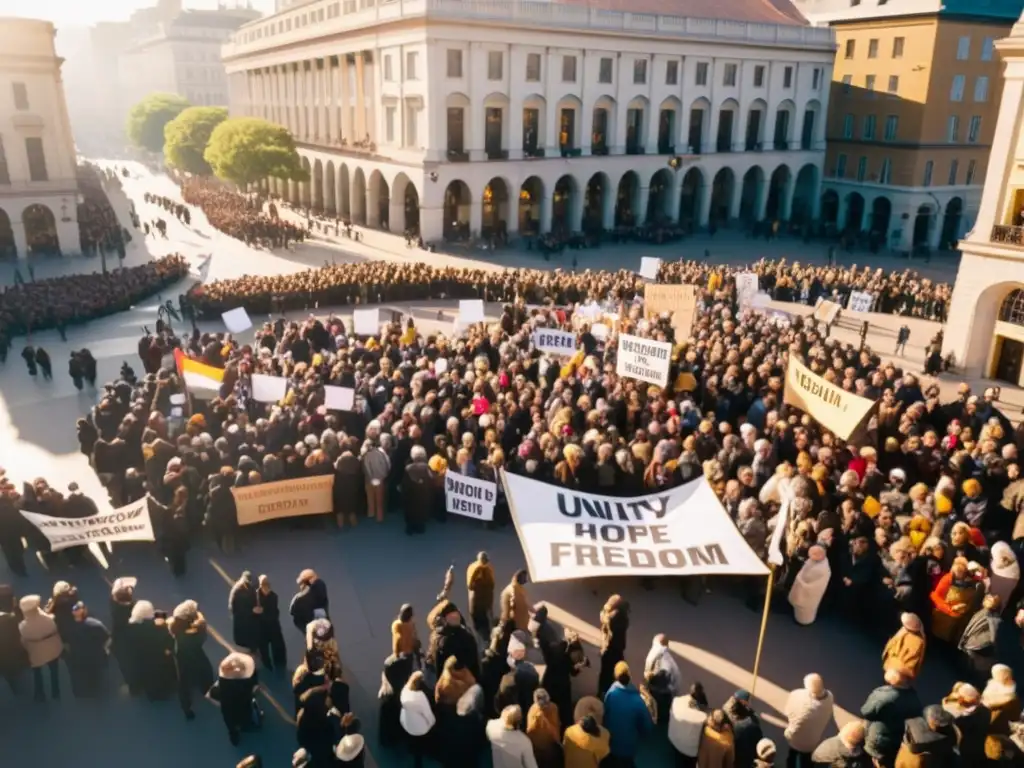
[{"x": 39, "y": 635}]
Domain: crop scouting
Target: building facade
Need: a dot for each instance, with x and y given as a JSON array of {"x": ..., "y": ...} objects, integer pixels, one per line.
[
  {"x": 38, "y": 186},
  {"x": 915, "y": 95},
  {"x": 985, "y": 331},
  {"x": 456, "y": 118}
]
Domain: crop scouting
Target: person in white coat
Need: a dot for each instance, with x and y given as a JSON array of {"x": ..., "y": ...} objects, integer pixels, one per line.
[
  {"x": 510, "y": 747},
  {"x": 417, "y": 717},
  {"x": 809, "y": 711},
  {"x": 661, "y": 673},
  {"x": 809, "y": 586},
  {"x": 1005, "y": 572},
  {"x": 686, "y": 722}
]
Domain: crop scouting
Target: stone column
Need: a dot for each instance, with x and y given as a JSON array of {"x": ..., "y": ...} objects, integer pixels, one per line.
[
  {"x": 546, "y": 212},
  {"x": 346, "y": 98},
  {"x": 704, "y": 214},
  {"x": 608, "y": 208},
  {"x": 68, "y": 236},
  {"x": 360, "y": 122},
  {"x": 20, "y": 240},
  {"x": 786, "y": 202},
  {"x": 332, "y": 100},
  {"x": 762, "y": 201},
  {"x": 643, "y": 194},
  {"x": 675, "y": 191},
  {"x": 476, "y": 217}
]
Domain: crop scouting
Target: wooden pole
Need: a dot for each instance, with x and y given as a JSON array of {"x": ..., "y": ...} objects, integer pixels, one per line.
[{"x": 764, "y": 626}]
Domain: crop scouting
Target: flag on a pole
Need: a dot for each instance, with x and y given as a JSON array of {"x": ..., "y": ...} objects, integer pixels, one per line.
[{"x": 199, "y": 377}]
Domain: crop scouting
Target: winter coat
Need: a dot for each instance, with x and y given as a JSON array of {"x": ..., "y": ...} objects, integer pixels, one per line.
[
  {"x": 544, "y": 729},
  {"x": 972, "y": 723},
  {"x": 832, "y": 752},
  {"x": 244, "y": 623},
  {"x": 403, "y": 637},
  {"x": 685, "y": 725},
  {"x": 480, "y": 583},
  {"x": 150, "y": 657},
  {"x": 905, "y": 651},
  {"x": 1004, "y": 708},
  {"x": 306, "y": 602},
  {"x": 924, "y": 748},
  {"x": 717, "y": 749},
  {"x": 13, "y": 655},
  {"x": 627, "y": 719},
  {"x": 39, "y": 635},
  {"x": 807, "y": 718},
  {"x": 349, "y": 485},
  {"x": 583, "y": 750},
  {"x": 509, "y": 748},
  {"x": 376, "y": 465},
  {"x": 746, "y": 730},
  {"x": 515, "y": 606},
  {"x": 887, "y": 709},
  {"x": 417, "y": 717}
]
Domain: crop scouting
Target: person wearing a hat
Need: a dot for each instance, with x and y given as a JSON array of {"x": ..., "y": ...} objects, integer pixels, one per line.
[
  {"x": 746, "y": 726},
  {"x": 311, "y": 597},
  {"x": 351, "y": 749},
  {"x": 859, "y": 571},
  {"x": 971, "y": 719},
  {"x": 235, "y": 693},
  {"x": 195, "y": 672},
  {"x": 765, "y": 754},
  {"x": 929, "y": 741},
  {"x": 1001, "y": 699},
  {"x": 522, "y": 679},
  {"x": 626, "y": 716},
  {"x": 122, "y": 601},
  {"x": 88, "y": 653},
  {"x": 905, "y": 650}
]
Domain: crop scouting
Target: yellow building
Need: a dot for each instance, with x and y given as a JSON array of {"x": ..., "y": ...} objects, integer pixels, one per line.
[{"x": 915, "y": 94}]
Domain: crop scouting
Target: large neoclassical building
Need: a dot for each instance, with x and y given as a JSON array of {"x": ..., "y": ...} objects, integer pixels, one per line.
[{"x": 460, "y": 116}]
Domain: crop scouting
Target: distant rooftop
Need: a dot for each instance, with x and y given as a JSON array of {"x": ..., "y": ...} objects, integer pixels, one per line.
[
  {"x": 753, "y": 11},
  {"x": 224, "y": 18},
  {"x": 831, "y": 11}
]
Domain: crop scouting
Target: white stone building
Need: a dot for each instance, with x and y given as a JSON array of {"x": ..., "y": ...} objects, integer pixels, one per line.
[
  {"x": 458, "y": 116},
  {"x": 985, "y": 330},
  {"x": 38, "y": 185}
]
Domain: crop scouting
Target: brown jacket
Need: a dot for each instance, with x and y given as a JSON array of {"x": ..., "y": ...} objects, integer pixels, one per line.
[
  {"x": 480, "y": 583},
  {"x": 516, "y": 606},
  {"x": 716, "y": 749},
  {"x": 905, "y": 650},
  {"x": 545, "y": 731},
  {"x": 403, "y": 637},
  {"x": 583, "y": 750}
]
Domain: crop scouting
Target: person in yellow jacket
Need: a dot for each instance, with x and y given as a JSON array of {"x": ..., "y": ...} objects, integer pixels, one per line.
[{"x": 480, "y": 584}]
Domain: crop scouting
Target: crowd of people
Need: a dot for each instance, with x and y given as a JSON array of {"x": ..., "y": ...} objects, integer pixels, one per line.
[{"x": 239, "y": 216}]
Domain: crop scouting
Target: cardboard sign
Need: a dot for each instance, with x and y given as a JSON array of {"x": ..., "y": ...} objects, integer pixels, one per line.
[
  {"x": 284, "y": 498},
  {"x": 839, "y": 411},
  {"x": 469, "y": 496},
  {"x": 678, "y": 300},
  {"x": 644, "y": 359}
]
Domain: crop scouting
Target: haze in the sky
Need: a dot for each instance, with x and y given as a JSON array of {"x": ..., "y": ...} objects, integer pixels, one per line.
[{"x": 84, "y": 12}]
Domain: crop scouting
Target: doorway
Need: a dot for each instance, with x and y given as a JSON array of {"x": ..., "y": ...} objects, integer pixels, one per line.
[{"x": 1011, "y": 355}]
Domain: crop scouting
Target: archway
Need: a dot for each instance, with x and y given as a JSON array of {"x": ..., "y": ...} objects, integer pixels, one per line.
[
  {"x": 457, "y": 201},
  {"x": 881, "y": 216},
  {"x": 318, "y": 186},
  {"x": 411, "y": 206},
  {"x": 380, "y": 197},
  {"x": 494, "y": 221},
  {"x": 626, "y": 200},
  {"x": 750, "y": 197},
  {"x": 593, "y": 203},
  {"x": 562, "y": 203},
  {"x": 775, "y": 208},
  {"x": 344, "y": 193},
  {"x": 8, "y": 248},
  {"x": 854, "y": 212},
  {"x": 658, "y": 195},
  {"x": 690, "y": 199},
  {"x": 40, "y": 230},
  {"x": 723, "y": 188},
  {"x": 358, "y": 200},
  {"x": 830, "y": 207},
  {"x": 330, "y": 190},
  {"x": 531, "y": 199},
  {"x": 951, "y": 224},
  {"x": 922, "y": 225},
  {"x": 801, "y": 211}
]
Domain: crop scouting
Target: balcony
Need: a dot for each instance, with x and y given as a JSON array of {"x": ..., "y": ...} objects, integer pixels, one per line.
[
  {"x": 497, "y": 154},
  {"x": 458, "y": 156},
  {"x": 1003, "y": 233}
]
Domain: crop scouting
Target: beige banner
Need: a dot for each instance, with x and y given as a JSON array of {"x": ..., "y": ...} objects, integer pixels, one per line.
[
  {"x": 837, "y": 410},
  {"x": 826, "y": 312},
  {"x": 285, "y": 498},
  {"x": 679, "y": 300}
]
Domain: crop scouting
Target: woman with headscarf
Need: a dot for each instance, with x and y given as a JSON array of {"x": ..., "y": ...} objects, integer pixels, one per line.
[
  {"x": 544, "y": 729},
  {"x": 614, "y": 625},
  {"x": 122, "y": 601},
  {"x": 195, "y": 673},
  {"x": 809, "y": 586},
  {"x": 953, "y": 601},
  {"x": 59, "y": 606},
  {"x": 1005, "y": 572},
  {"x": 235, "y": 693},
  {"x": 149, "y": 649}
]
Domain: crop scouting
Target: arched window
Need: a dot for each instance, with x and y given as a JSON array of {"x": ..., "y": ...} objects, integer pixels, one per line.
[{"x": 1012, "y": 308}]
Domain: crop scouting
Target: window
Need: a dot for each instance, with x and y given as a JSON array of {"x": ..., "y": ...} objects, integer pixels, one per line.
[
  {"x": 759, "y": 76},
  {"x": 862, "y": 168},
  {"x": 953, "y": 129},
  {"x": 672, "y": 73},
  {"x": 787, "y": 77},
  {"x": 850, "y": 49},
  {"x": 604, "y": 70},
  {"x": 974, "y": 129},
  {"x": 816, "y": 79},
  {"x": 701, "y": 75},
  {"x": 841, "y": 167},
  {"x": 495, "y": 68},
  {"x": 388, "y": 73},
  {"x": 885, "y": 174},
  {"x": 568, "y": 69},
  {"x": 869, "y": 82},
  {"x": 929, "y": 167},
  {"x": 410, "y": 66},
  {"x": 972, "y": 167},
  {"x": 988, "y": 46},
  {"x": 956, "y": 91},
  {"x": 897, "y": 47},
  {"x": 454, "y": 63},
  {"x": 639, "y": 71},
  {"x": 533, "y": 67},
  {"x": 963, "y": 48},
  {"x": 873, "y": 48},
  {"x": 954, "y": 166},
  {"x": 20, "y": 96},
  {"x": 847, "y": 82},
  {"x": 869, "y": 128},
  {"x": 412, "y": 119},
  {"x": 389, "y": 124},
  {"x": 848, "y": 127},
  {"x": 729, "y": 75},
  {"x": 36, "y": 159},
  {"x": 981, "y": 89},
  {"x": 892, "y": 123},
  {"x": 894, "y": 83}
]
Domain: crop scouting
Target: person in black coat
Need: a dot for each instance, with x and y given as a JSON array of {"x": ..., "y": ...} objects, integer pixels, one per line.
[
  {"x": 195, "y": 673},
  {"x": 311, "y": 597},
  {"x": 451, "y": 638},
  {"x": 396, "y": 673},
  {"x": 149, "y": 651},
  {"x": 519, "y": 683},
  {"x": 746, "y": 727},
  {"x": 235, "y": 691},
  {"x": 564, "y": 661},
  {"x": 221, "y": 512},
  {"x": 13, "y": 657},
  {"x": 245, "y": 621},
  {"x": 271, "y": 638},
  {"x": 461, "y": 734},
  {"x": 28, "y": 354},
  {"x": 122, "y": 602},
  {"x": 88, "y": 653},
  {"x": 45, "y": 365}
]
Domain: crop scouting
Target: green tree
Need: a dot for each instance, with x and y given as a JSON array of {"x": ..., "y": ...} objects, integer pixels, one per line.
[
  {"x": 187, "y": 135},
  {"x": 246, "y": 149},
  {"x": 147, "y": 119}
]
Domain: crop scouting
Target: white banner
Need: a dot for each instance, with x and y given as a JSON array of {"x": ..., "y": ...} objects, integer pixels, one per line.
[
  {"x": 129, "y": 523},
  {"x": 683, "y": 531},
  {"x": 469, "y": 497},
  {"x": 860, "y": 301},
  {"x": 555, "y": 342},
  {"x": 644, "y": 359}
]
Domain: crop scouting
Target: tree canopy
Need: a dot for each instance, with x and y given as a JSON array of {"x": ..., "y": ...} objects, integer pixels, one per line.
[
  {"x": 147, "y": 119},
  {"x": 187, "y": 136},
  {"x": 246, "y": 149}
]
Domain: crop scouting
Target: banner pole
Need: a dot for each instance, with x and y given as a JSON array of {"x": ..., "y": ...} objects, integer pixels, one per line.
[{"x": 764, "y": 626}]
